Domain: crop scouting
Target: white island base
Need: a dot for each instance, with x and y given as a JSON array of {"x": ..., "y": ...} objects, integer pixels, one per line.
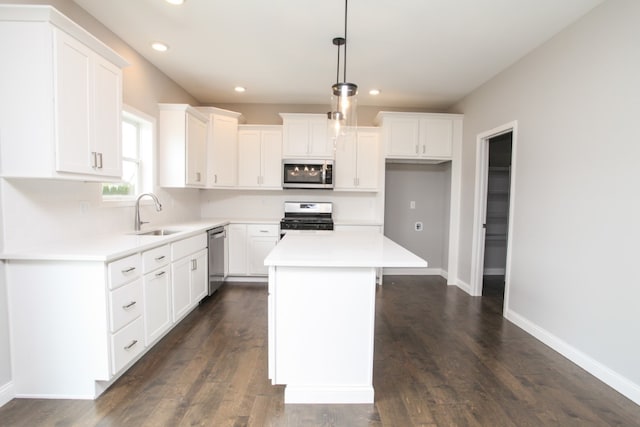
[{"x": 322, "y": 313}]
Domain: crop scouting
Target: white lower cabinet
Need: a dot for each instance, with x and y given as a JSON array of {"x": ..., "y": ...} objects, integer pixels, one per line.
[
  {"x": 188, "y": 274},
  {"x": 76, "y": 326},
  {"x": 249, "y": 244}
]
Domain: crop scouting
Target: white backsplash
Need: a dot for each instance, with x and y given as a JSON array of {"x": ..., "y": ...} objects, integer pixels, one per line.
[{"x": 42, "y": 211}]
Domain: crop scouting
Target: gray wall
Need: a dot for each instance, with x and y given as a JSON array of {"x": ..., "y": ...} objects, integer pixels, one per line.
[
  {"x": 429, "y": 186},
  {"x": 574, "y": 280}
]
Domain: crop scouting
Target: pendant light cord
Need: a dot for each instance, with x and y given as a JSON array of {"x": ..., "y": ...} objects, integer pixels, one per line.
[{"x": 345, "y": 41}]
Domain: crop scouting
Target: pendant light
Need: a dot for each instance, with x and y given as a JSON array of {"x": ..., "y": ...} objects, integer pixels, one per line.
[{"x": 343, "y": 114}]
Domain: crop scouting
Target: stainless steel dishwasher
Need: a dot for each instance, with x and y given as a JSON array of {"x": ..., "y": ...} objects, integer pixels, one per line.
[{"x": 217, "y": 237}]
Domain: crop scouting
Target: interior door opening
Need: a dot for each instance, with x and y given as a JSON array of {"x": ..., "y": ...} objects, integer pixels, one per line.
[
  {"x": 496, "y": 223},
  {"x": 493, "y": 209}
]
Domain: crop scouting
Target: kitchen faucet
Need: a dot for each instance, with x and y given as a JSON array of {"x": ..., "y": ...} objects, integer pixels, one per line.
[{"x": 138, "y": 221}]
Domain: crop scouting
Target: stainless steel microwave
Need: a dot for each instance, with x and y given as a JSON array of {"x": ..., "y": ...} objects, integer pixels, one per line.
[{"x": 307, "y": 173}]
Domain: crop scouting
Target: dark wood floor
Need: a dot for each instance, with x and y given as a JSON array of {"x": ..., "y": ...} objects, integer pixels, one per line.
[{"x": 442, "y": 358}]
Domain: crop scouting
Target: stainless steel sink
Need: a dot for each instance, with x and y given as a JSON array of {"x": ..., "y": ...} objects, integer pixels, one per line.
[{"x": 160, "y": 232}]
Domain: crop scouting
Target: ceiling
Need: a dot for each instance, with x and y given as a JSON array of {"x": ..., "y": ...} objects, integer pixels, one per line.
[{"x": 424, "y": 54}]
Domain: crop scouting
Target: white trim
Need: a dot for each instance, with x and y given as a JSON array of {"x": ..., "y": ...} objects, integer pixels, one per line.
[
  {"x": 7, "y": 393},
  {"x": 480, "y": 206},
  {"x": 455, "y": 203},
  {"x": 613, "y": 379},
  {"x": 230, "y": 279}
]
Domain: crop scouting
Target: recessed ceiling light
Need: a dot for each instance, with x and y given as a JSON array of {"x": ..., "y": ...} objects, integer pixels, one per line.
[
  {"x": 239, "y": 89},
  {"x": 176, "y": 2},
  {"x": 374, "y": 92},
  {"x": 159, "y": 46}
]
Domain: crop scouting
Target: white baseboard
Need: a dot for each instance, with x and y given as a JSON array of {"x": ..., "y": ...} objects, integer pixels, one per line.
[
  {"x": 231, "y": 279},
  {"x": 613, "y": 379},
  {"x": 7, "y": 393},
  {"x": 493, "y": 272},
  {"x": 463, "y": 285}
]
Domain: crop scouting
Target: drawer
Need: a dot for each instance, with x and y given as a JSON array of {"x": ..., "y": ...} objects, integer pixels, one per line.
[
  {"x": 124, "y": 270},
  {"x": 126, "y": 344},
  {"x": 155, "y": 258},
  {"x": 187, "y": 246},
  {"x": 125, "y": 304},
  {"x": 262, "y": 230}
]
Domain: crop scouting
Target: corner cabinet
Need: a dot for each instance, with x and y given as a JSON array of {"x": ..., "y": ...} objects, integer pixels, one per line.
[
  {"x": 182, "y": 146},
  {"x": 60, "y": 77},
  {"x": 419, "y": 136},
  {"x": 249, "y": 245},
  {"x": 259, "y": 157},
  {"x": 222, "y": 147},
  {"x": 357, "y": 161},
  {"x": 306, "y": 136}
]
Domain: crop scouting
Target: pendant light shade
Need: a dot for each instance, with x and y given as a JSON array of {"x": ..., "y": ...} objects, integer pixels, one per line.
[{"x": 344, "y": 103}]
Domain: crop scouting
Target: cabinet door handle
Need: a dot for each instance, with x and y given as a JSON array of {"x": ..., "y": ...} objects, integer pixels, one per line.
[
  {"x": 128, "y": 347},
  {"x": 160, "y": 258},
  {"x": 128, "y": 270},
  {"x": 197, "y": 176},
  {"x": 94, "y": 160},
  {"x": 194, "y": 264},
  {"x": 215, "y": 178},
  {"x": 99, "y": 160},
  {"x": 161, "y": 273},
  {"x": 417, "y": 149},
  {"x": 128, "y": 306}
]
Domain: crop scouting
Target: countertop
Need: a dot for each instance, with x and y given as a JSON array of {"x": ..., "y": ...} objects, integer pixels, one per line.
[
  {"x": 110, "y": 247},
  {"x": 341, "y": 249}
]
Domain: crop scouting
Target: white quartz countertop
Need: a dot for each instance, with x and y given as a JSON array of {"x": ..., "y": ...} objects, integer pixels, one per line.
[
  {"x": 112, "y": 246},
  {"x": 341, "y": 249}
]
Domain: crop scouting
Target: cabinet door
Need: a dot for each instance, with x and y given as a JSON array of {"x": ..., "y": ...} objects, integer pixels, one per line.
[
  {"x": 271, "y": 159},
  {"x": 295, "y": 138},
  {"x": 198, "y": 277},
  {"x": 249, "y": 158},
  {"x": 196, "y": 134},
  {"x": 436, "y": 137},
  {"x": 259, "y": 248},
  {"x": 320, "y": 145},
  {"x": 180, "y": 287},
  {"x": 402, "y": 137},
  {"x": 157, "y": 304},
  {"x": 367, "y": 161},
  {"x": 237, "y": 249},
  {"x": 73, "y": 104},
  {"x": 107, "y": 118},
  {"x": 223, "y": 152},
  {"x": 345, "y": 173}
]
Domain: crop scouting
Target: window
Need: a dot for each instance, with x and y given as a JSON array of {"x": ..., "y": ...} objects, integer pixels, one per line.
[{"x": 137, "y": 157}]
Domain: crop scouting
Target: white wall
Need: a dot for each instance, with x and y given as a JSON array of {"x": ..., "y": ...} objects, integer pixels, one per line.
[
  {"x": 269, "y": 205},
  {"x": 574, "y": 279}
]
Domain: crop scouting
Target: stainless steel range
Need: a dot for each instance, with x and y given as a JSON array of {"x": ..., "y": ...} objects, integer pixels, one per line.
[{"x": 307, "y": 216}]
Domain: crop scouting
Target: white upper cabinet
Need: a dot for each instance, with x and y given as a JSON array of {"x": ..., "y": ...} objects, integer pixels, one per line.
[
  {"x": 422, "y": 136},
  {"x": 259, "y": 157},
  {"x": 357, "y": 163},
  {"x": 222, "y": 147},
  {"x": 305, "y": 136},
  {"x": 61, "y": 103},
  {"x": 183, "y": 146}
]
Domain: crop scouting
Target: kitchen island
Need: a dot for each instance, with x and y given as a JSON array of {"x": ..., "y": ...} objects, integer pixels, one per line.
[{"x": 322, "y": 313}]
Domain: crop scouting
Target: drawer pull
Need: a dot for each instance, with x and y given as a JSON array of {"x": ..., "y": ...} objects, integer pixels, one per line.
[
  {"x": 161, "y": 273},
  {"x": 128, "y": 347},
  {"x": 160, "y": 258},
  {"x": 128, "y": 306},
  {"x": 128, "y": 270}
]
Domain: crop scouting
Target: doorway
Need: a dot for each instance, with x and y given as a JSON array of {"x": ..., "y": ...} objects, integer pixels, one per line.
[{"x": 493, "y": 207}]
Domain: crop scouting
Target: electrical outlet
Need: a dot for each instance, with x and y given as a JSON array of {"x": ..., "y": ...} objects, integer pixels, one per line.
[
  {"x": 412, "y": 204},
  {"x": 418, "y": 226}
]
